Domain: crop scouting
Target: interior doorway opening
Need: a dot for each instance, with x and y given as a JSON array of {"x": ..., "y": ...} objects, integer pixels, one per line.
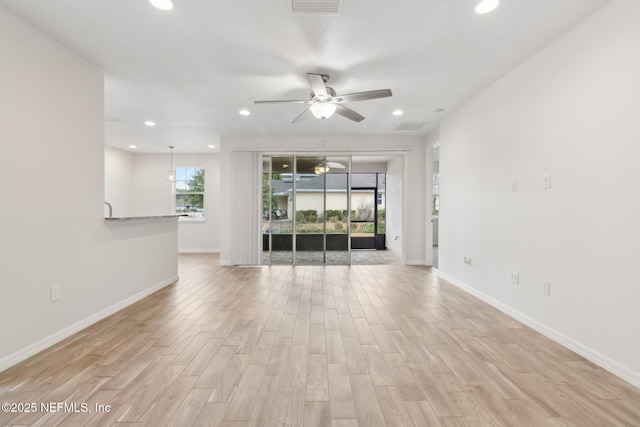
[{"x": 435, "y": 202}]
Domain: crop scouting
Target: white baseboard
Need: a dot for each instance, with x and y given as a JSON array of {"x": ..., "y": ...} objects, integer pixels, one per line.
[
  {"x": 30, "y": 350},
  {"x": 414, "y": 262},
  {"x": 588, "y": 353},
  {"x": 198, "y": 251}
]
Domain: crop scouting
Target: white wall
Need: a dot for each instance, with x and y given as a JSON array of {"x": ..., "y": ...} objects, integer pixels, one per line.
[
  {"x": 571, "y": 112},
  {"x": 52, "y": 229},
  {"x": 368, "y": 166},
  {"x": 231, "y": 151},
  {"x": 151, "y": 191},
  {"x": 118, "y": 173},
  {"x": 152, "y": 196}
]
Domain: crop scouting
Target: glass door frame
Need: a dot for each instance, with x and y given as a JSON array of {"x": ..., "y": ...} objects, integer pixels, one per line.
[{"x": 294, "y": 160}]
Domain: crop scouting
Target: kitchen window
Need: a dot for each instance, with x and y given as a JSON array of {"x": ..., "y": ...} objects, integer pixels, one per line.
[{"x": 189, "y": 195}]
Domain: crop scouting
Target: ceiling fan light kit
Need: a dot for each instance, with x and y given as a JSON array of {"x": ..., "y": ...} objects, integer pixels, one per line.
[
  {"x": 323, "y": 110},
  {"x": 324, "y": 102},
  {"x": 162, "y": 4},
  {"x": 486, "y": 6}
]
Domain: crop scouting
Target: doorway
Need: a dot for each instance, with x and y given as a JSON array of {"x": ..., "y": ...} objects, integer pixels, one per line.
[{"x": 435, "y": 202}]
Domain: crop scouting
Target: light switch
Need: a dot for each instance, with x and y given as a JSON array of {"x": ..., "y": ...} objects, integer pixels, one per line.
[{"x": 547, "y": 182}]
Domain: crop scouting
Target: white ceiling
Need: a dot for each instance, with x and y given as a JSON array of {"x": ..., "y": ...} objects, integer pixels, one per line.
[{"x": 192, "y": 69}]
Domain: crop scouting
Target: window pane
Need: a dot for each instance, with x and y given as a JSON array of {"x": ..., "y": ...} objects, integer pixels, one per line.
[
  {"x": 181, "y": 174},
  {"x": 190, "y": 180},
  {"x": 196, "y": 180}
]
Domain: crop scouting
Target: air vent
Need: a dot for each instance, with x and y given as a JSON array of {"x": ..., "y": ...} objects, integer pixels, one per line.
[
  {"x": 320, "y": 7},
  {"x": 411, "y": 125}
]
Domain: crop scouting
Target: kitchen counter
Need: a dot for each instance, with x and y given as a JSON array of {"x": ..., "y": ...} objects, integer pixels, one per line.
[{"x": 132, "y": 219}]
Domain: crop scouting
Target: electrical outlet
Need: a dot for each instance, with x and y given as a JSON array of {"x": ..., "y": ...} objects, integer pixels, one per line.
[
  {"x": 514, "y": 186},
  {"x": 54, "y": 293},
  {"x": 467, "y": 260},
  {"x": 515, "y": 277},
  {"x": 546, "y": 288},
  {"x": 547, "y": 182}
]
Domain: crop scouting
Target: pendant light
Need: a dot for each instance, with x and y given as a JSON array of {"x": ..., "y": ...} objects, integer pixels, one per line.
[{"x": 171, "y": 175}]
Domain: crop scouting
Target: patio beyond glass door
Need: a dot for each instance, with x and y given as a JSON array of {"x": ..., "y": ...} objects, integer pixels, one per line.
[
  {"x": 305, "y": 210},
  {"x": 364, "y": 218}
]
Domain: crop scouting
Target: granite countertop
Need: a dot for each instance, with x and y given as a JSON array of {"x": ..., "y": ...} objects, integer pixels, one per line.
[{"x": 138, "y": 218}]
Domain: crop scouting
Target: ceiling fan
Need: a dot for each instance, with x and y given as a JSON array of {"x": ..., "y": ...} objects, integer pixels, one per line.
[{"x": 324, "y": 101}]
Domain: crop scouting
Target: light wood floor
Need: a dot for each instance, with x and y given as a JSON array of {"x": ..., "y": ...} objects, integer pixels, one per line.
[{"x": 315, "y": 346}]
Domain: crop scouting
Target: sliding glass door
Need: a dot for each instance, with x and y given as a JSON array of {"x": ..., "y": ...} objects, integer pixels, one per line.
[
  {"x": 277, "y": 210},
  {"x": 306, "y": 205}
]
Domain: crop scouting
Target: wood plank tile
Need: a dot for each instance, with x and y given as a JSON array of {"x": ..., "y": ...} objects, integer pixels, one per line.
[
  {"x": 393, "y": 409},
  {"x": 317, "y": 414},
  {"x": 377, "y": 366},
  {"x": 354, "y": 356},
  {"x": 317, "y": 339},
  {"x": 216, "y": 367},
  {"x": 291, "y": 410},
  {"x": 244, "y": 400},
  {"x": 335, "y": 347},
  {"x": 296, "y": 372},
  {"x": 265, "y": 411},
  {"x": 366, "y": 402},
  {"x": 383, "y": 339},
  {"x": 341, "y": 345},
  {"x": 226, "y": 385},
  {"x": 317, "y": 383},
  {"x": 211, "y": 415},
  {"x": 341, "y": 395},
  {"x": 279, "y": 357}
]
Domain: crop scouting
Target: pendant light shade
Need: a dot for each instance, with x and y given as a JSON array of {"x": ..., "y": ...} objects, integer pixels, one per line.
[
  {"x": 323, "y": 110},
  {"x": 171, "y": 175}
]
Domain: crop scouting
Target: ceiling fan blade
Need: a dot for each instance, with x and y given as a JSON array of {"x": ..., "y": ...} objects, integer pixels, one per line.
[
  {"x": 348, "y": 113},
  {"x": 317, "y": 85},
  {"x": 302, "y": 116},
  {"x": 363, "y": 96},
  {"x": 286, "y": 101}
]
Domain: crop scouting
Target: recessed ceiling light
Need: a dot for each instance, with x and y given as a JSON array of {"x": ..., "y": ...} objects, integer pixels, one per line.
[
  {"x": 244, "y": 112},
  {"x": 439, "y": 110},
  {"x": 486, "y": 6},
  {"x": 132, "y": 146},
  {"x": 211, "y": 146},
  {"x": 149, "y": 123},
  {"x": 162, "y": 4},
  {"x": 398, "y": 113}
]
